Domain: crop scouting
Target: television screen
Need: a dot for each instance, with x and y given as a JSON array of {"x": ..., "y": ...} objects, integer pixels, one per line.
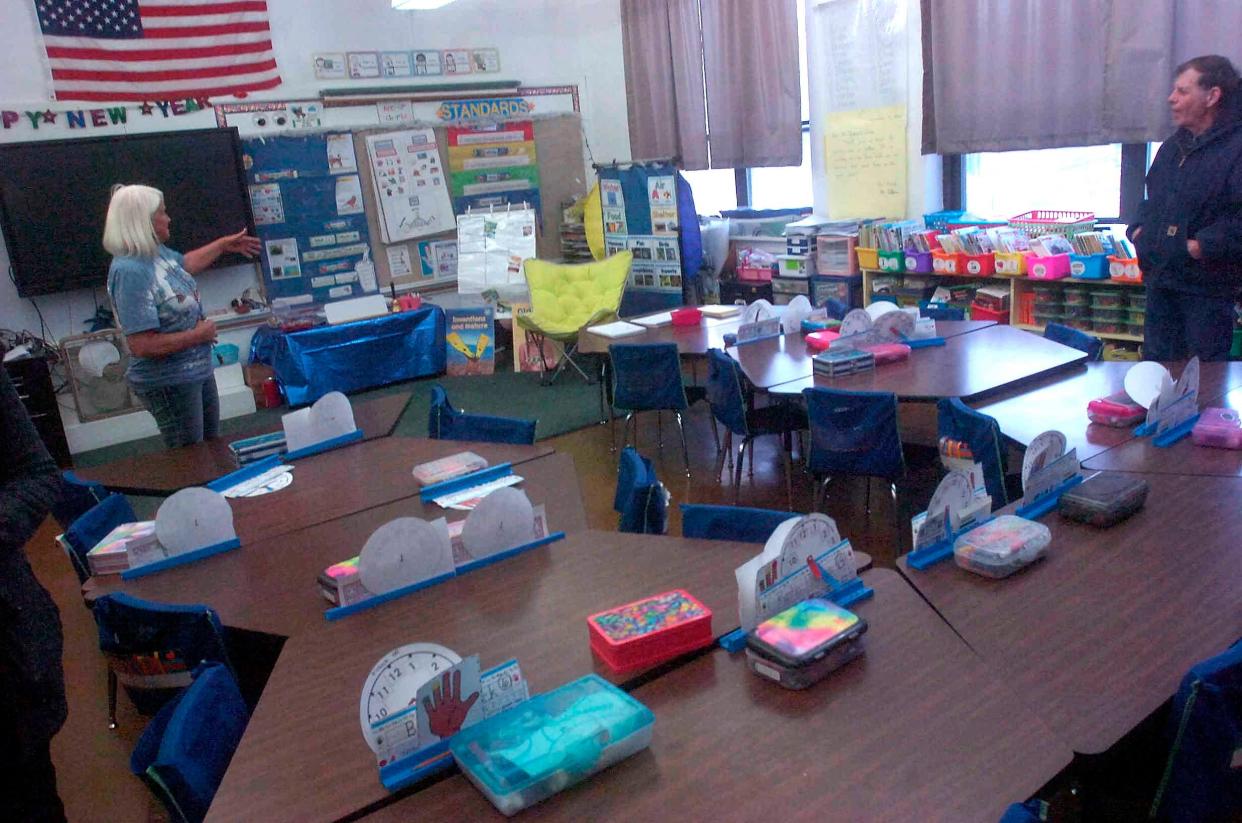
[{"x": 54, "y": 198}]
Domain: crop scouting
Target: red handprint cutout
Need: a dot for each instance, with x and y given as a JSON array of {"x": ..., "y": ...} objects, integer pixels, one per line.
[{"x": 446, "y": 711}]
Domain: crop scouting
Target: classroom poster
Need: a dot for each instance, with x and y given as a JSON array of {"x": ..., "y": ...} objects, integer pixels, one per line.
[
  {"x": 409, "y": 184},
  {"x": 639, "y": 205},
  {"x": 470, "y": 335},
  {"x": 493, "y": 165},
  {"x": 865, "y": 153},
  {"x": 491, "y": 247}
]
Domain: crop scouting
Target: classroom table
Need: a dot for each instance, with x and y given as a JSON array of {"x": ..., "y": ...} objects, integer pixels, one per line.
[
  {"x": 692, "y": 341},
  {"x": 916, "y": 729},
  {"x": 303, "y": 756},
  {"x": 968, "y": 365},
  {"x": 1098, "y": 634},
  {"x": 162, "y": 473},
  {"x": 356, "y": 477},
  {"x": 269, "y": 585},
  {"x": 1183, "y": 457},
  {"x": 1059, "y": 401}
]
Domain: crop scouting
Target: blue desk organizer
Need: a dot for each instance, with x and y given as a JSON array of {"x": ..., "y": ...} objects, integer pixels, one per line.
[
  {"x": 843, "y": 594},
  {"x": 325, "y": 445},
  {"x": 923, "y": 342},
  {"x": 1048, "y": 501},
  {"x": 338, "y": 612},
  {"x": 928, "y": 556},
  {"x": 245, "y": 473},
  {"x": 181, "y": 559},
  {"x": 425, "y": 762},
  {"x": 429, "y": 493},
  {"x": 1170, "y": 437}
]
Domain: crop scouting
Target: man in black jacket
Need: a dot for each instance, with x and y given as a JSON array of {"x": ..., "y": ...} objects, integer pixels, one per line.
[
  {"x": 1188, "y": 232},
  {"x": 32, "y": 679}
]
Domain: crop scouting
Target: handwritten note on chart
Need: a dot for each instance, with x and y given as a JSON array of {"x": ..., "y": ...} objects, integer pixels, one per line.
[
  {"x": 864, "y": 46},
  {"x": 865, "y": 152}
]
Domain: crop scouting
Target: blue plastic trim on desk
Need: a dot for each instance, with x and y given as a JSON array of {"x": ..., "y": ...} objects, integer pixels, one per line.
[
  {"x": 923, "y": 342},
  {"x": 1174, "y": 434},
  {"x": 1048, "y": 502},
  {"x": 244, "y": 473},
  {"x": 429, "y": 493},
  {"x": 325, "y": 445},
  {"x": 337, "y": 612},
  {"x": 928, "y": 556},
  {"x": 181, "y": 559}
]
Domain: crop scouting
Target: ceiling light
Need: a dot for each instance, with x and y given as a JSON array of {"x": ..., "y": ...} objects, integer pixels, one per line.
[{"x": 419, "y": 5}]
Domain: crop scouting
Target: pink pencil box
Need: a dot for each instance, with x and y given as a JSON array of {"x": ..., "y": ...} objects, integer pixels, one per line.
[
  {"x": 888, "y": 352},
  {"x": 1116, "y": 410},
  {"x": 1218, "y": 429}
]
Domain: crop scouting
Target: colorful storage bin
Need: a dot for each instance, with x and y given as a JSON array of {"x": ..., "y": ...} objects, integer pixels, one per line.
[
  {"x": 944, "y": 262},
  {"x": 893, "y": 262},
  {"x": 868, "y": 258},
  {"x": 1011, "y": 264},
  {"x": 1053, "y": 267},
  {"x": 919, "y": 262},
  {"x": 1124, "y": 270},
  {"x": 1089, "y": 266}
]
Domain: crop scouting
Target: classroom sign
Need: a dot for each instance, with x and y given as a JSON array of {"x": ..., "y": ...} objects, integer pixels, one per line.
[{"x": 493, "y": 165}]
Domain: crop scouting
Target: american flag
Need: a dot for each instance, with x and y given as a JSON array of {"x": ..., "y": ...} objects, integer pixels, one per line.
[{"x": 156, "y": 49}]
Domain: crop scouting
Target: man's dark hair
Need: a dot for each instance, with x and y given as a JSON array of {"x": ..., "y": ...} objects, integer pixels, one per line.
[{"x": 1214, "y": 70}]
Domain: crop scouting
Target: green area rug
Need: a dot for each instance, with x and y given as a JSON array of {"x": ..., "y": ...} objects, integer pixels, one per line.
[{"x": 564, "y": 406}]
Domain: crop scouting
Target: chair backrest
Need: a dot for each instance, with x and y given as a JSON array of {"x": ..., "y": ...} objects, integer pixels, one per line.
[
  {"x": 646, "y": 376},
  {"x": 730, "y": 522},
  {"x": 77, "y": 496},
  {"x": 641, "y": 498},
  {"x": 447, "y": 423},
  {"x": 1075, "y": 339},
  {"x": 837, "y": 309},
  {"x": 724, "y": 392},
  {"x": 1032, "y": 811},
  {"x": 565, "y": 297},
  {"x": 1201, "y": 779},
  {"x": 956, "y": 420},
  {"x": 155, "y": 646},
  {"x": 854, "y": 433},
  {"x": 85, "y": 532},
  {"x": 942, "y": 311},
  {"x": 185, "y": 749}
]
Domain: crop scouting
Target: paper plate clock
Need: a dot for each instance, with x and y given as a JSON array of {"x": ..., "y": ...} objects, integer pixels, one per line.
[
  {"x": 798, "y": 537},
  {"x": 392, "y": 687}
]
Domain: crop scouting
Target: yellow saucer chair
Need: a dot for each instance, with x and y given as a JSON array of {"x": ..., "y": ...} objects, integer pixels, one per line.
[{"x": 566, "y": 298}]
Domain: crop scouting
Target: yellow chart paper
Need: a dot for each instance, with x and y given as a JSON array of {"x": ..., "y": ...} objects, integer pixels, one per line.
[{"x": 865, "y": 152}]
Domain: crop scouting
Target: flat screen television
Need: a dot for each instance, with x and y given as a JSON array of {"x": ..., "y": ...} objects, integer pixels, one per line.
[{"x": 54, "y": 198}]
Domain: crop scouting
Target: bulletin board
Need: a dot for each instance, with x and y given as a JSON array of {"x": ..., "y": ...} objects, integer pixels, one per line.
[{"x": 310, "y": 214}]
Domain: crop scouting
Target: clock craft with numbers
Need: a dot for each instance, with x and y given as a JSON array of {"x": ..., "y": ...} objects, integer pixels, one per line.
[{"x": 391, "y": 690}]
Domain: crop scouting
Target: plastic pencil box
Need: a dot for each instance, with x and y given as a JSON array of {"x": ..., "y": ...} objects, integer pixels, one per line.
[
  {"x": 552, "y": 741},
  {"x": 1116, "y": 410},
  {"x": 1104, "y": 499},
  {"x": 650, "y": 631},
  {"x": 1002, "y": 546},
  {"x": 1218, "y": 429},
  {"x": 888, "y": 352},
  {"x": 805, "y": 643},
  {"x": 820, "y": 340}
]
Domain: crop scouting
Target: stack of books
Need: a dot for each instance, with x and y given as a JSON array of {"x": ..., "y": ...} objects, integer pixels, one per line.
[
  {"x": 112, "y": 554},
  {"x": 836, "y": 362},
  {"x": 574, "y": 247}
]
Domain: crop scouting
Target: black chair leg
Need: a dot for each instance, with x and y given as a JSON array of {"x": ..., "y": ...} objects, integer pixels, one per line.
[{"x": 111, "y": 698}]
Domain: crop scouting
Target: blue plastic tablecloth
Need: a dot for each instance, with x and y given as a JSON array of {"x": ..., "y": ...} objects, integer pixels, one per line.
[{"x": 359, "y": 355}]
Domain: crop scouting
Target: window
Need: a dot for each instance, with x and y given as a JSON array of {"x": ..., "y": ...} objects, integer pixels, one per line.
[
  {"x": 784, "y": 187},
  {"x": 1001, "y": 185}
]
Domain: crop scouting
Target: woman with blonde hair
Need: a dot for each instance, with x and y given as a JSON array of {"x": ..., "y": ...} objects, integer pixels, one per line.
[{"x": 157, "y": 306}]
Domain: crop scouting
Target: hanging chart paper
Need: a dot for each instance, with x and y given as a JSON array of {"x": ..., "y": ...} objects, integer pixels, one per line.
[
  {"x": 491, "y": 247},
  {"x": 410, "y": 186},
  {"x": 865, "y": 154}
]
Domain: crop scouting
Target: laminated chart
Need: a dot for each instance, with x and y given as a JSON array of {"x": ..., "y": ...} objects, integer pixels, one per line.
[{"x": 410, "y": 185}]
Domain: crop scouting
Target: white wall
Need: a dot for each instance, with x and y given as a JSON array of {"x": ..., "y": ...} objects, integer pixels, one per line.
[{"x": 541, "y": 43}]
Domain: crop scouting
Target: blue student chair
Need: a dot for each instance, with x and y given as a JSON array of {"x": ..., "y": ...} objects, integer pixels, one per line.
[
  {"x": 741, "y": 523},
  {"x": 152, "y": 647},
  {"x": 185, "y": 749},
  {"x": 835, "y": 308},
  {"x": 943, "y": 311},
  {"x": 91, "y": 527},
  {"x": 957, "y": 421},
  {"x": 729, "y": 408},
  {"x": 1201, "y": 779},
  {"x": 647, "y": 377},
  {"x": 1075, "y": 339},
  {"x": 641, "y": 498},
  {"x": 77, "y": 496},
  {"x": 853, "y": 433},
  {"x": 447, "y": 423},
  {"x": 1032, "y": 811}
]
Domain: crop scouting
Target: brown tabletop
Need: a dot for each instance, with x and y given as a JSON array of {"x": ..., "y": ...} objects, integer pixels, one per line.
[
  {"x": 269, "y": 586},
  {"x": 165, "y": 472},
  {"x": 916, "y": 729},
  {"x": 1059, "y": 401},
  {"x": 690, "y": 340},
  {"x": 1183, "y": 457},
  {"x": 303, "y": 756},
  {"x": 968, "y": 365},
  {"x": 356, "y": 477},
  {"x": 1098, "y": 634}
]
